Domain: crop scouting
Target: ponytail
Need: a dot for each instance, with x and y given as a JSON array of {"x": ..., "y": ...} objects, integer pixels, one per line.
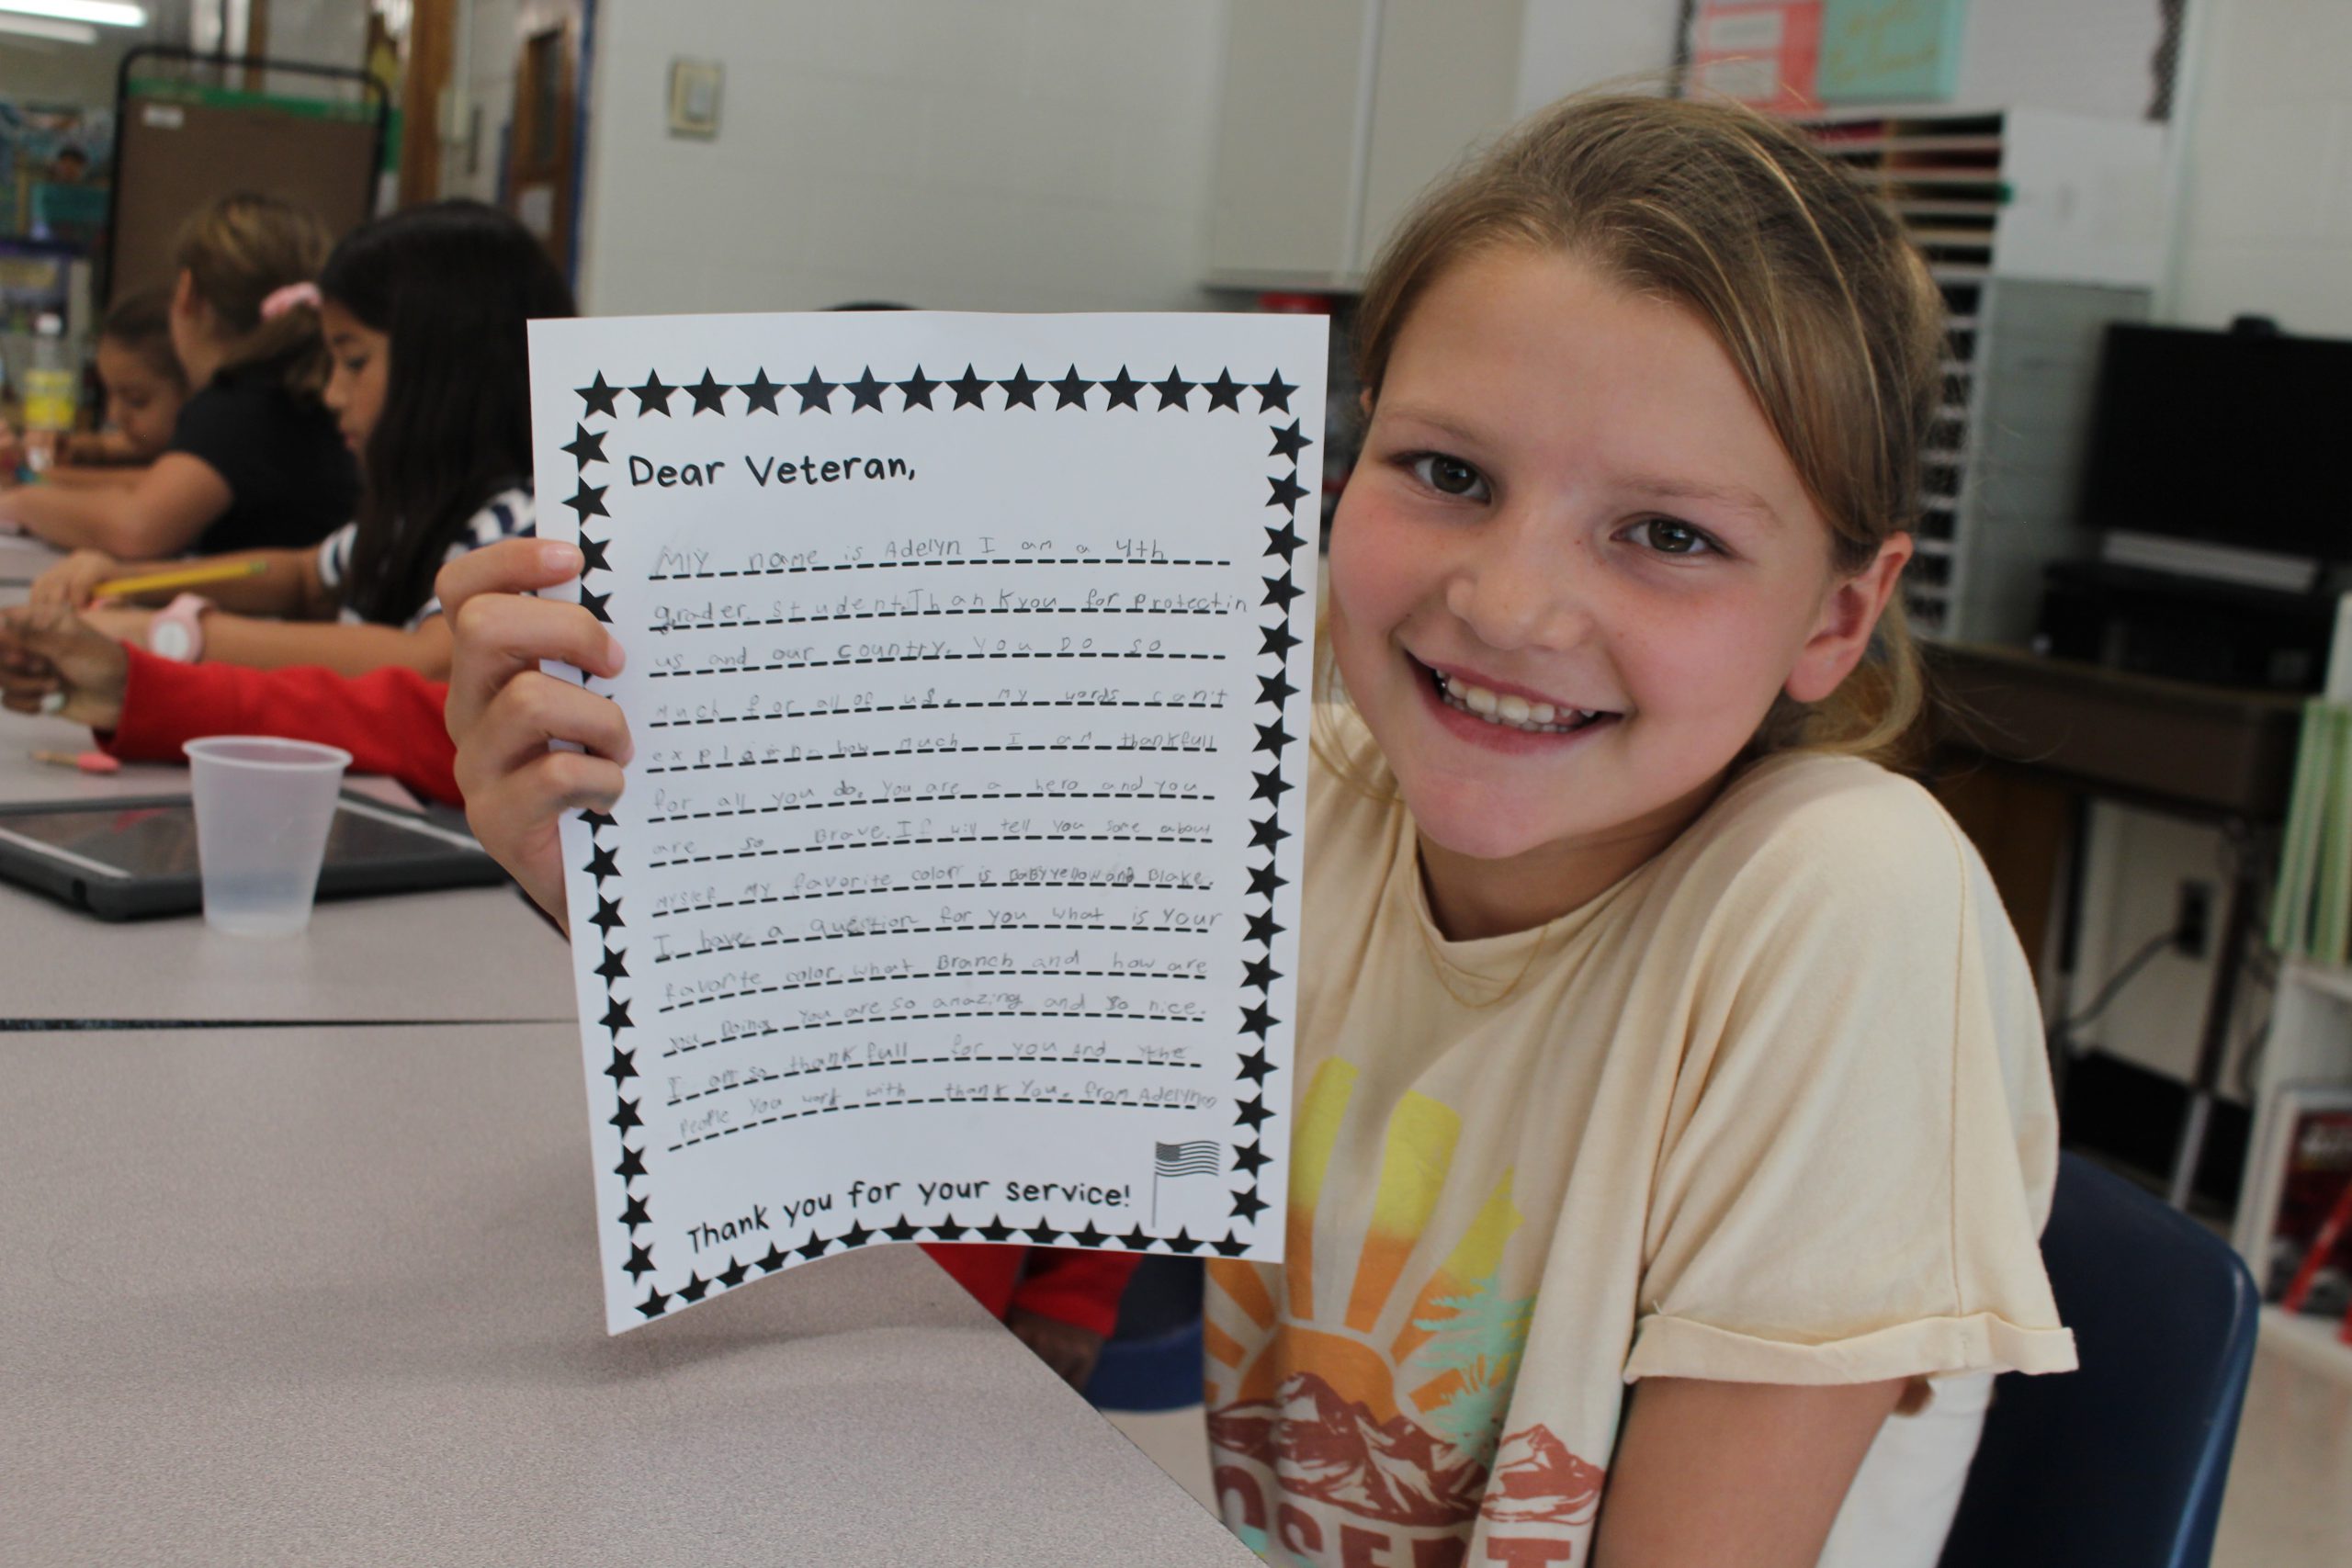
[{"x": 237, "y": 254}]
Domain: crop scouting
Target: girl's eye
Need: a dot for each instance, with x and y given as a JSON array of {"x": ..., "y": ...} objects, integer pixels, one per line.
[
  {"x": 1669, "y": 537},
  {"x": 1448, "y": 476}
]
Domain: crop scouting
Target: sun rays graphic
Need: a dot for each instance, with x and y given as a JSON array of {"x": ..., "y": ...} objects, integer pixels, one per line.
[
  {"x": 1360, "y": 1346},
  {"x": 1385, "y": 1401}
]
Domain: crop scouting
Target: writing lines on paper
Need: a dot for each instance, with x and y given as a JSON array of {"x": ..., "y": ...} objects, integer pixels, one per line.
[
  {"x": 684, "y": 565},
  {"x": 1000, "y": 1004},
  {"x": 705, "y": 942}
]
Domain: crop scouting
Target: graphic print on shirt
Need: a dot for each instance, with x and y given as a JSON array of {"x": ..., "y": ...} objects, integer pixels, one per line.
[{"x": 1371, "y": 1429}]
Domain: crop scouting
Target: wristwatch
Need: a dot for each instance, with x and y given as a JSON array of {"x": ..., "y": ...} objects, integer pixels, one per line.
[{"x": 176, "y": 633}]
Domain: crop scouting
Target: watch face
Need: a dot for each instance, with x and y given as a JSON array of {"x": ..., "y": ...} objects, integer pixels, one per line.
[{"x": 170, "y": 639}]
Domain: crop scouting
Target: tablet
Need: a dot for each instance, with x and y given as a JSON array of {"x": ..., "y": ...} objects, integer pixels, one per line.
[{"x": 124, "y": 860}]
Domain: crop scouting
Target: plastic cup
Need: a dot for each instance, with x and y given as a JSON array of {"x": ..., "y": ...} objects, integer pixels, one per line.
[{"x": 263, "y": 807}]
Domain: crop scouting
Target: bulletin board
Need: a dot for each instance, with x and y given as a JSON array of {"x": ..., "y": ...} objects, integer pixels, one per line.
[
  {"x": 1756, "y": 52},
  {"x": 188, "y": 137}
]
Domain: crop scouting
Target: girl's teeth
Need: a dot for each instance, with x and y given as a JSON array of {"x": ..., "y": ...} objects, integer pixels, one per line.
[{"x": 1508, "y": 708}]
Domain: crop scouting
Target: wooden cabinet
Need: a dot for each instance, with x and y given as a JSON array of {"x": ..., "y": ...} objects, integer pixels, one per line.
[{"x": 1337, "y": 113}]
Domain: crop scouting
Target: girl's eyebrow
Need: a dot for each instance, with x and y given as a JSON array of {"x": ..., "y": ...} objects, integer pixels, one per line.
[
  {"x": 1733, "y": 495},
  {"x": 1435, "y": 421}
]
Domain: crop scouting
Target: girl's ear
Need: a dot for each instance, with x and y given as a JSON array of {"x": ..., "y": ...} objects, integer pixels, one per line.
[
  {"x": 1849, "y": 614},
  {"x": 184, "y": 300}
]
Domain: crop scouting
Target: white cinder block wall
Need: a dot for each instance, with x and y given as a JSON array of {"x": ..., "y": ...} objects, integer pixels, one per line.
[
  {"x": 2266, "y": 225},
  {"x": 1016, "y": 154}
]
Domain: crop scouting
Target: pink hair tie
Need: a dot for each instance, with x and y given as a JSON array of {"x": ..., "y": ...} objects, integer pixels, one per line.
[{"x": 284, "y": 299}]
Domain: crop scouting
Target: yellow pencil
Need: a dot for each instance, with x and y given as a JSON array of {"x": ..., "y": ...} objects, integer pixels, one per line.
[{"x": 185, "y": 577}]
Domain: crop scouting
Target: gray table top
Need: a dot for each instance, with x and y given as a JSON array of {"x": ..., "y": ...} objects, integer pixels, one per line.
[
  {"x": 463, "y": 955},
  {"x": 23, "y": 558},
  {"x": 331, "y": 1297}
]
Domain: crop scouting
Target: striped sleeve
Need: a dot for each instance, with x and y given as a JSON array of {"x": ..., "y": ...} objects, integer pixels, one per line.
[
  {"x": 508, "y": 516},
  {"x": 335, "y": 557}
]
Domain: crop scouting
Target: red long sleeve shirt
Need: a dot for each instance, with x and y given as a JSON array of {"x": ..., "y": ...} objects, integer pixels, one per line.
[{"x": 390, "y": 720}]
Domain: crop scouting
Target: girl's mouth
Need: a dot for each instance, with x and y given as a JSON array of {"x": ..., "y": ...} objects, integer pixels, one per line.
[{"x": 1508, "y": 710}]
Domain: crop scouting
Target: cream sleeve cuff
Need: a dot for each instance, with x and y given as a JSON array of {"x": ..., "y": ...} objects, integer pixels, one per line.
[{"x": 1678, "y": 1348}]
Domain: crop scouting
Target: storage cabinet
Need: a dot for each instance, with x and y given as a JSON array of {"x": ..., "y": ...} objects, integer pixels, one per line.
[
  {"x": 1337, "y": 113},
  {"x": 2040, "y": 228}
]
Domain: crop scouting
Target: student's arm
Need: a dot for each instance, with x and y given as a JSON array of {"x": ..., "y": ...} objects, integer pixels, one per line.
[
  {"x": 147, "y": 709},
  {"x": 276, "y": 645},
  {"x": 1067, "y": 1305},
  {"x": 289, "y": 584},
  {"x": 66, "y": 477},
  {"x": 503, "y": 709},
  {"x": 162, "y": 514},
  {"x": 1734, "y": 1474}
]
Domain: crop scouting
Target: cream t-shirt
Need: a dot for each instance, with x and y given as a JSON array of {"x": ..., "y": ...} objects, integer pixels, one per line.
[{"x": 1772, "y": 1109}]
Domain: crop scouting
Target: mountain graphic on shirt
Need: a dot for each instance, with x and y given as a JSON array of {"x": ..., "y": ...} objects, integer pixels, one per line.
[
  {"x": 1334, "y": 1450},
  {"x": 1537, "y": 1480}
]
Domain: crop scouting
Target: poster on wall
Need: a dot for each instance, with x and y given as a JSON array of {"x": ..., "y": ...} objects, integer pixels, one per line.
[
  {"x": 953, "y": 894},
  {"x": 1756, "y": 52},
  {"x": 1879, "y": 51}
]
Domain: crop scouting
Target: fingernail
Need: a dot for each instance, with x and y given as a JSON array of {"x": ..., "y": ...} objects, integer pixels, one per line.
[
  {"x": 613, "y": 653},
  {"x": 557, "y": 555}
]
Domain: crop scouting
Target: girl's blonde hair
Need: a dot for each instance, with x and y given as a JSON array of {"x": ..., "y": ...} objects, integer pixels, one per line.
[
  {"x": 1824, "y": 305},
  {"x": 240, "y": 251}
]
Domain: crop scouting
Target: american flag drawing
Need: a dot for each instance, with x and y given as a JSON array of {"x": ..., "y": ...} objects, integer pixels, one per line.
[
  {"x": 1186, "y": 1159},
  {"x": 1202, "y": 1158}
]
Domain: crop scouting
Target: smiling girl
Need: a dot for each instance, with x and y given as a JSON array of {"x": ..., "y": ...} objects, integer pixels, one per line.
[
  {"x": 423, "y": 316},
  {"x": 1671, "y": 1110}
]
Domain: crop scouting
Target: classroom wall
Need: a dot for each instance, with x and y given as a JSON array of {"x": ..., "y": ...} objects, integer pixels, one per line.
[
  {"x": 1565, "y": 45},
  {"x": 40, "y": 72},
  {"x": 2267, "y": 224},
  {"x": 1027, "y": 154},
  {"x": 482, "y": 72}
]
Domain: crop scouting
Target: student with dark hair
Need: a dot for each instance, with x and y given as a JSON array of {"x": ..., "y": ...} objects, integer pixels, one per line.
[
  {"x": 252, "y": 460},
  {"x": 423, "y": 316}
]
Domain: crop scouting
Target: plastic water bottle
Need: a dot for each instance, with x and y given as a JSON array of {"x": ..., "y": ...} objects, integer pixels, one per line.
[{"x": 50, "y": 385}]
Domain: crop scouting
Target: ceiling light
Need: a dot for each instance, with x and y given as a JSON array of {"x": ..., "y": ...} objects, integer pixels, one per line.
[
  {"x": 109, "y": 13},
  {"x": 57, "y": 33}
]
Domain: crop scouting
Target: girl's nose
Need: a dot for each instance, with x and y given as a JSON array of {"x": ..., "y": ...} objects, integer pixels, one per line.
[{"x": 1514, "y": 588}]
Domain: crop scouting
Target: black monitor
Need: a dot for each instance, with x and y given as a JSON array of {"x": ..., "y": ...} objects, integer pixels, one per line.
[{"x": 2225, "y": 437}]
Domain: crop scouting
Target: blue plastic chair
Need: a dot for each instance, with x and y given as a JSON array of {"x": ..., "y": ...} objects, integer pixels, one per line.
[
  {"x": 2120, "y": 1464},
  {"x": 1152, "y": 1360}
]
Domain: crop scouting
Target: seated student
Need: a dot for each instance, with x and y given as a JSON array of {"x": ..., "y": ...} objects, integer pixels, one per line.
[
  {"x": 145, "y": 389},
  {"x": 1062, "y": 1302},
  {"x": 423, "y": 314},
  {"x": 253, "y": 461},
  {"x": 1682, "y": 1129}
]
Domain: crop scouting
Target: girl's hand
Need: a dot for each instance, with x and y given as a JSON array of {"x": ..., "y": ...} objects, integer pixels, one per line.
[
  {"x": 73, "y": 581},
  {"x": 1070, "y": 1350},
  {"x": 121, "y": 622},
  {"x": 503, "y": 711},
  {"x": 46, "y": 648}
]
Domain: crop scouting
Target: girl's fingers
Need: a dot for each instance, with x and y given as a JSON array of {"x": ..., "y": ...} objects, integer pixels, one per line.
[
  {"x": 510, "y": 565},
  {"x": 24, "y": 696},
  {"x": 498, "y": 636},
  {"x": 519, "y": 721},
  {"x": 515, "y": 818}
]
